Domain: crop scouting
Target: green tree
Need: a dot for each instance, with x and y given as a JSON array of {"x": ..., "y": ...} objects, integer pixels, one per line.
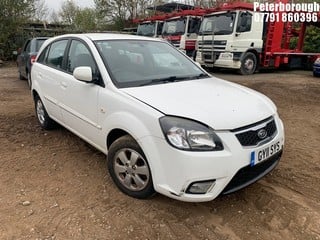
[
  {"x": 68, "y": 12},
  {"x": 85, "y": 20},
  {"x": 116, "y": 14},
  {"x": 13, "y": 14},
  {"x": 41, "y": 11}
]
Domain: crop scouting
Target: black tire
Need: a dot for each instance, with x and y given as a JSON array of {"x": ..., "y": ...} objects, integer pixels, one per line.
[
  {"x": 43, "y": 118},
  {"x": 29, "y": 80},
  {"x": 316, "y": 74},
  {"x": 21, "y": 77},
  {"x": 248, "y": 64},
  {"x": 128, "y": 168}
]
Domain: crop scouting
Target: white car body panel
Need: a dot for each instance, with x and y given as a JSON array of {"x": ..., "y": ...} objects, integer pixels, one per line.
[
  {"x": 92, "y": 112},
  {"x": 215, "y": 102}
]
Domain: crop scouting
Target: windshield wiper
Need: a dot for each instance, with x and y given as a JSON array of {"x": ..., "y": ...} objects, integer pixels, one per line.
[
  {"x": 174, "y": 79},
  {"x": 164, "y": 80},
  {"x": 199, "y": 76}
]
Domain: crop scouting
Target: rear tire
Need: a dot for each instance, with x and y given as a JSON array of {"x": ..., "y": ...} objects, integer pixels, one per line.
[
  {"x": 29, "y": 81},
  {"x": 43, "y": 118},
  {"x": 21, "y": 77},
  {"x": 129, "y": 168},
  {"x": 248, "y": 64}
]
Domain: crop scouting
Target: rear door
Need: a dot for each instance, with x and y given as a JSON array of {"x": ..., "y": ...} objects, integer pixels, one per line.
[{"x": 49, "y": 74}]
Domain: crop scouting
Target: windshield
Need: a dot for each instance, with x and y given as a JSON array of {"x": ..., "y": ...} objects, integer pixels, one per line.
[
  {"x": 146, "y": 29},
  {"x": 174, "y": 27},
  {"x": 218, "y": 24},
  {"x": 133, "y": 63}
]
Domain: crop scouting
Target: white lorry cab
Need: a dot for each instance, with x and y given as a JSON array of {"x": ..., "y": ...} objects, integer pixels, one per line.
[
  {"x": 235, "y": 36},
  {"x": 230, "y": 39},
  {"x": 181, "y": 29},
  {"x": 150, "y": 27}
]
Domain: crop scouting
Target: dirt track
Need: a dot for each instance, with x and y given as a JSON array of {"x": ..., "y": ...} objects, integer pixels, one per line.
[{"x": 55, "y": 186}]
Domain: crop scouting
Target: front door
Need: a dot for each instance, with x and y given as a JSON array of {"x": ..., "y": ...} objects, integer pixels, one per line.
[{"x": 80, "y": 99}]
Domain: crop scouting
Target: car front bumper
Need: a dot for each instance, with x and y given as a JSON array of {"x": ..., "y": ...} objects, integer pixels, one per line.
[{"x": 174, "y": 170}]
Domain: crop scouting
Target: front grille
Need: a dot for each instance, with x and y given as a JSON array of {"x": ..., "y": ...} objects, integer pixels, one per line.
[
  {"x": 250, "y": 174},
  {"x": 252, "y": 138}
]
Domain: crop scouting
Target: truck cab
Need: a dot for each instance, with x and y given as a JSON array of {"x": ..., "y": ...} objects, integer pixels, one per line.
[
  {"x": 150, "y": 28},
  {"x": 231, "y": 39},
  {"x": 182, "y": 32}
]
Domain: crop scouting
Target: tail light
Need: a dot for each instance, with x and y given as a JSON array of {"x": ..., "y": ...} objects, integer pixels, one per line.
[{"x": 33, "y": 58}]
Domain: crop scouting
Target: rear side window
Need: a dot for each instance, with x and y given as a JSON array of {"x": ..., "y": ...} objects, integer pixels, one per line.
[
  {"x": 56, "y": 54},
  {"x": 43, "y": 55}
]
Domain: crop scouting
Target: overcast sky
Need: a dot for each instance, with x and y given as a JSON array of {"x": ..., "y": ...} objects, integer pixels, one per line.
[{"x": 56, "y": 4}]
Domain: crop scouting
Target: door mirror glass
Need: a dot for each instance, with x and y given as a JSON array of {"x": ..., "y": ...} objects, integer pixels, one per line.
[{"x": 83, "y": 74}]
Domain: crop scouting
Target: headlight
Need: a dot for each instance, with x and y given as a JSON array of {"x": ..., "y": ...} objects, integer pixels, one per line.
[
  {"x": 189, "y": 135},
  {"x": 317, "y": 61}
]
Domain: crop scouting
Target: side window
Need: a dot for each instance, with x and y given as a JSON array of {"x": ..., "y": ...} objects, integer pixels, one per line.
[
  {"x": 160, "y": 26},
  {"x": 80, "y": 56},
  {"x": 56, "y": 53},
  {"x": 194, "y": 25},
  {"x": 43, "y": 55},
  {"x": 244, "y": 22}
]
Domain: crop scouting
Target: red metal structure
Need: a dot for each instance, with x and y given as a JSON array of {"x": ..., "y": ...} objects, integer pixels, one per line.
[{"x": 277, "y": 36}]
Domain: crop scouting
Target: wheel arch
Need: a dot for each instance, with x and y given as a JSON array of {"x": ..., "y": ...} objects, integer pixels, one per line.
[
  {"x": 125, "y": 123},
  {"x": 115, "y": 134},
  {"x": 35, "y": 94}
]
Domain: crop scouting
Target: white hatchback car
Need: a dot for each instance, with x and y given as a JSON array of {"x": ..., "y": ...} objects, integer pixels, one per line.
[{"x": 165, "y": 124}]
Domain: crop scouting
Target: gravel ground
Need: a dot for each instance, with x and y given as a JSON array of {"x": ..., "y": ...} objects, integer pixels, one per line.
[{"x": 55, "y": 186}]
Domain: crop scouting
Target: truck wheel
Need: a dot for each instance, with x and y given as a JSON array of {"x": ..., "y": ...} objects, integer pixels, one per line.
[
  {"x": 43, "y": 118},
  {"x": 129, "y": 168},
  {"x": 248, "y": 64}
]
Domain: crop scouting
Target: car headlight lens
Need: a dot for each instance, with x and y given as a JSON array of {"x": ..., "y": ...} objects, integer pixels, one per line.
[
  {"x": 189, "y": 135},
  {"x": 317, "y": 61}
]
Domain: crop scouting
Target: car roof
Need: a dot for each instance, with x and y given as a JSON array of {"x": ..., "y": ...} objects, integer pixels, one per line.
[
  {"x": 39, "y": 38},
  {"x": 108, "y": 36}
]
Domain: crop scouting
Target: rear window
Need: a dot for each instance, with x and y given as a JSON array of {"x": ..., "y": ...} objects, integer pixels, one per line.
[{"x": 39, "y": 43}]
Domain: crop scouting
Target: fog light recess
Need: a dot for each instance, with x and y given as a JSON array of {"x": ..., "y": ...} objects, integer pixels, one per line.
[{"x": 200, "y": 187}]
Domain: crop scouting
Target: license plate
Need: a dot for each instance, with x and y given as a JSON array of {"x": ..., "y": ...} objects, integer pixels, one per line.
[
  {"x": 226, "y": 56},
  {"x": 262, "y": 154}
]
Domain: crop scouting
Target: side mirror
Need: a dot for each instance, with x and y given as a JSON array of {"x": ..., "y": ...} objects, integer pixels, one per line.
[
  {"x": 19, "y": 51},
  {"x": 83, "y": 74}
]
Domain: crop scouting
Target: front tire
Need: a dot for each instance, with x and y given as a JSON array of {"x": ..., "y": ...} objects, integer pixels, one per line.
[
  {"x": 43, "y": 118},
  {"x": 129, "y": 168},
  {"x": 248, "y": 64}
]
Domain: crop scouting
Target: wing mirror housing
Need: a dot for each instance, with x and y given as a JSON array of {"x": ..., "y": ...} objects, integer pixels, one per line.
[{"x": 83, "y": 74}]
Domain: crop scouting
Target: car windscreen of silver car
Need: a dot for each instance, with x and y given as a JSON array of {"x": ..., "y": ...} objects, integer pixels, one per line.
[{"x": 136, "y": 63}]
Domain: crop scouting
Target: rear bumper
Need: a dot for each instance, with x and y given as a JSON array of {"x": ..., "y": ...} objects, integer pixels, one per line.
[{"x": 316, "y": 69}]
